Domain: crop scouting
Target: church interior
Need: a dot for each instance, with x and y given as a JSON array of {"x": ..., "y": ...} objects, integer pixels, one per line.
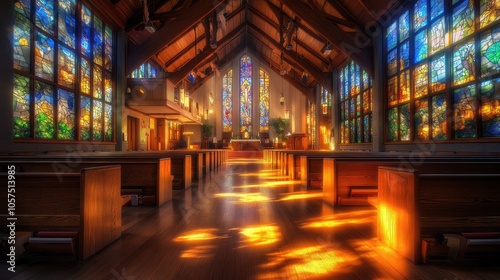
[{"x": 250, "y": 139}]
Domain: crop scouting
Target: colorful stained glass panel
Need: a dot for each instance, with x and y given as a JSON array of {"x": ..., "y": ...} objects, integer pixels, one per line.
[
  {"x": 464, "y": 112},
  {"x": 422, "y": 119},
  {"x": 97, "y": 120},
  {"x": 44, "y": 57},
  {"x": 439, "y": 116},
  {"x": 44, "y": 111},
  {"x": 404, "y": 55},
  {"x": 23, "y": 7},
  {"x": 22, "y": 112},
  {"x": 489, "y": 12},
  {"x": 67, "y": 22},
  {"x": 108, "y": 51},
  {"x": 85, "y": 104},
  {"x": 420, "y": 44},
  {"x": 490, "y": 52},
  {"x": 97, "y": 83},
  {"x": 45, "y": 15},
  {"x": 85, "y": 31},
  {"x": 85, "y": 76},
  {"x": 67, "y": 67},
  {"x": 392, "y": 90},
  {"x": 108, "y": 122},
  {"x": 404, "y": 86},
  {"x": 421, "y": 78},
  {"x": 392, "y": 62},
  {"x": 227, "y": 101},
  {"x": 108, "y": 87},
  {"x": 463, "y": 20},
  {"x": 392, "y": 35},
  {"x": 98, "y": 41},
  {"x": 264, "y": 100},
  {"x": 437, "y": 8},
  {"x": 392, "y": 121},
  {"x": 420, "y": 14},
  {"x": 22, "y": 43},
  {"x": 246, "y": 95},
  {"x": 404, "y": 26},
  {"x": 463, "y": 63},
  {"x": 437, "y": 36},
  {"x": 66, "y": 129},
  {"x": 404, "y": 122},
  {"x": 490, "y": 108},
  {"x": 438, "y": 74}
]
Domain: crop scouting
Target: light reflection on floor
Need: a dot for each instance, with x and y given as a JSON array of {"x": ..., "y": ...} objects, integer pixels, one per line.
[{"x": 260, "y": 235}]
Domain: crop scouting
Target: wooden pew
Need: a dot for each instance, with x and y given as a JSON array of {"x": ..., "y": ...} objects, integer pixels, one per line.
[
  {"x": 150, "y": 174},
  {"x": 88, "y": 203},
  {"x": 414, "y": 205}
]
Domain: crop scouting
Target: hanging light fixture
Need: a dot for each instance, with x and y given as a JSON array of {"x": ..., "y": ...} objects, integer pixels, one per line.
[{"x": 282, "y": 97}]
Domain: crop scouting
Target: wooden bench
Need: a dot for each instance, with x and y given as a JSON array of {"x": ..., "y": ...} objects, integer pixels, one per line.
[
  {"x": 413, "y": 206},
  {"x": 152, "y": 174},
  {"x": 471, "y": 242},
  {"x": 88, "y": 203}
]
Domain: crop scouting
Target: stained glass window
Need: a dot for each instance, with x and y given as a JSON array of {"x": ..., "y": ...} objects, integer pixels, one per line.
[
  {"x": 246, "y": 96},
  {"x": 464, "y": 112},
  {"x": 404, "y": 26},
  {"x": 489, "y": 12},
  {"x": 437, "y": 8},
  {"x": 45, "y": 15},
  {"x": 490, "y": 108},
  {"x": 44, "y": 111},
  {"x": 264, "y": 100},
  {"x": 145, "y": 70},
  {"x": 437, "y": 36},
  {"x": 420, "y": 15},
  {"x": 44, "y": 56},
  {"x": 404, "y": 87},
  {"x": 392, "y": 35},
  {"x": 67, "y": 67},
  {"x": 438, "y": 74},
  {"x": 404, "y": 122},
  {"x": 422, "y": 119},
  {"x": 392, "y": 62},
  {"x": 67, "y": 22},
  {"x": 420, "y": 77},
  {"x": 355, "y": 112},
  {"x": 404, "y": 55},
  {"x": 439, "y": 116},
  {"x": 490, "y": 52},
  {"x": 22, "y": 42},
  {"x": 53, "y": 78},
  {"x": 463, "y": 20},
  {"x": 66, "y": 127},
  {"x": 463, "y": 63},
  {"x": 22, "y": 110},
  {"x": 420, "y": 46},
  {"x": 227, "y": 101},
  {"x": 393, "y": 124},
  {"x": 85, "y": 118}
]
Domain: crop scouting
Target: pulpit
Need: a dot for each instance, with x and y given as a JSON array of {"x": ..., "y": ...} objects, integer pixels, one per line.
[{"x": 297, "y": 141}]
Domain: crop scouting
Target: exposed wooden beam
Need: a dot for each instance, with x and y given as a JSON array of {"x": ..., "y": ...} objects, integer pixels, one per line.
[
  {"x": 204, "y": 57},
  {"x": 305, "y": 47},
  {"x": 306, "y": 91},
  {"x": 361, "y": 52},
  {"x": 344, "y": 12},
  {"x": 313, "y": 53},
  {"x": 323, "y": 78},
  {"x": 185, "y": 50},
  {"x": 166, "y": 36}
]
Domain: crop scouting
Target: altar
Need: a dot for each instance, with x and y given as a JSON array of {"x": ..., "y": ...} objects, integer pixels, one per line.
[{"x": 245, "y": 144}]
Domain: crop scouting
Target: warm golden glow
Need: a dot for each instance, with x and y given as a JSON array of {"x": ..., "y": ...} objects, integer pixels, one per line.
[
  {"x": 308, "y": 262},
  {"x": 260, "y": 235},
  {"x": 199, "y": 235},
  {"x": 269, "y": 185},
  {"x": 245, "y": 197},
  {"x": 301, "y": 195},
  {"x": 198, "y": 252}
]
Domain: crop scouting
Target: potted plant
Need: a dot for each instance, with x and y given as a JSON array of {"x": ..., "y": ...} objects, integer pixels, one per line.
[
  {"x": 206, "y": 131},
  {"x": 279, "y": 125}
]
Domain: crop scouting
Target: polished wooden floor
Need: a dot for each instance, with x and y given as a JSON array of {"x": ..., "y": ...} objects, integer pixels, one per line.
[{"x": 245, "y": 221}]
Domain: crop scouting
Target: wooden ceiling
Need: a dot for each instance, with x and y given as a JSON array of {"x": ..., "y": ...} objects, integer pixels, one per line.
[{"x": 200, "y": 36}]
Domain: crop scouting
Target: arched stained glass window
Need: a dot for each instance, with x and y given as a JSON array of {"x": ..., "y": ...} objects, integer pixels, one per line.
[
  {"x": 264, "y": 100},
  {"x": 227, "y": 101},
  {"x": 355, "y": 89},
  {"x": 54, "y": 83},
  {"x": 246, "y": 96},
  {"x": 450, "y": 37}
]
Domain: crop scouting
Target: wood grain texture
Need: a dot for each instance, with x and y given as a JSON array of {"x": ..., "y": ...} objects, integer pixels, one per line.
[{"x": 202, "y": 235}]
